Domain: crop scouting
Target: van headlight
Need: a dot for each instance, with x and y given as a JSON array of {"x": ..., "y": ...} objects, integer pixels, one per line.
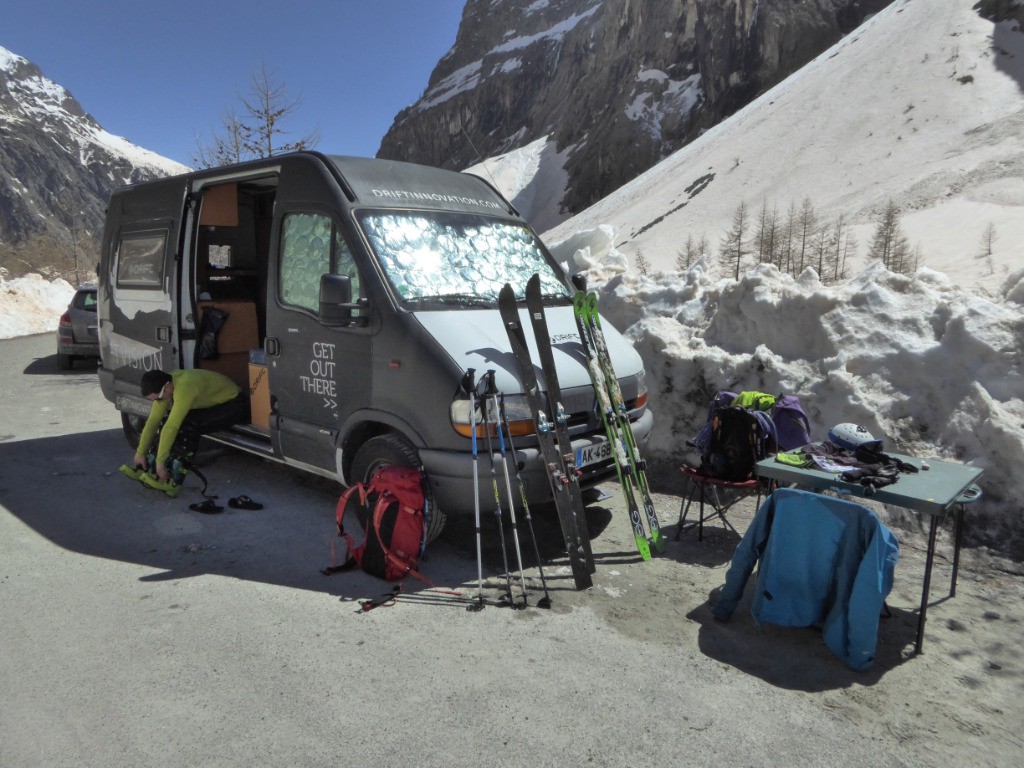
[
  {"x": 517, "y": 411},
  {"x": 641, "y": 389}
]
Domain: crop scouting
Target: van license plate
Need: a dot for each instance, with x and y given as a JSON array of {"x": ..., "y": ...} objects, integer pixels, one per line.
[{"x": 593, "y": 454}]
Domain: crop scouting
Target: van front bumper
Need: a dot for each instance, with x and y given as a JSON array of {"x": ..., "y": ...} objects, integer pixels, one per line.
[{"x": 451, "y": 472}]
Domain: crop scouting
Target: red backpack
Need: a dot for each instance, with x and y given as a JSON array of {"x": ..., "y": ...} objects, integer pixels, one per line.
[{"x": 394, "y": 538}]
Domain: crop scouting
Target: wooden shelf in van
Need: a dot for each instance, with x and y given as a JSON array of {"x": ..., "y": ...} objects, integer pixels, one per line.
[{"x": 237, "y": 336}]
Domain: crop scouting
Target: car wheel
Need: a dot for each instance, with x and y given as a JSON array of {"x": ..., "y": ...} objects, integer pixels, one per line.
[
  {"x": 132, "y": 426},
  {"x": 387, "y": 450},
  {"x": 64, "y": 362}
]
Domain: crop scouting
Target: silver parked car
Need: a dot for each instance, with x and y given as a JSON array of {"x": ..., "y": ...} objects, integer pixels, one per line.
[{"x": 76, "y": 333}]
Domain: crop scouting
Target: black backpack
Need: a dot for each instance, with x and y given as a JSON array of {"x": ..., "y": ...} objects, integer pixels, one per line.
[{"x": 738, "y": 440}]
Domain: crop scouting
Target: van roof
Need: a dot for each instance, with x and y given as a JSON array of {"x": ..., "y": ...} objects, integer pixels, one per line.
[
  {"x": 372, "y": 182},
  {"x": 395, "y": 184}
]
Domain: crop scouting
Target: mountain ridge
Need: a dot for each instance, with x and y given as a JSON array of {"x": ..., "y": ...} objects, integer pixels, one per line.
[
  {"x": 614, "y": 85},
  {"x": 57, "y": 163}
]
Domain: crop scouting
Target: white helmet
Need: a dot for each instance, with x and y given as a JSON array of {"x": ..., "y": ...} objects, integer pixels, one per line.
[{"x": 852, "y": 437}]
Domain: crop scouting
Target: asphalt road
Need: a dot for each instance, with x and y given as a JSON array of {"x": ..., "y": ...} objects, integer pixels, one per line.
[{"x": 138, "y": 633}]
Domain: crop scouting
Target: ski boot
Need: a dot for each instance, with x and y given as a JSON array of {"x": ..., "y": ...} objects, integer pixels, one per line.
[
  {"x": 135, "y": 472},
  {"x": 128, "y": 470}
]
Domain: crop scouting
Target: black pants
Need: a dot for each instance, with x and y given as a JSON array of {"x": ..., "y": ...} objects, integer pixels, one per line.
[{"x": 202, "y": 421}]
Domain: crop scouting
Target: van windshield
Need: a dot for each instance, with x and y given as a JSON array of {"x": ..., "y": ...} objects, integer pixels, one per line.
[{"x": 448, "y": 259}]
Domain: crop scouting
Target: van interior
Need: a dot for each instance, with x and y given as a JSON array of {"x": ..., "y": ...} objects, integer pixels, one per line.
[{"x": 232, "y": 253}]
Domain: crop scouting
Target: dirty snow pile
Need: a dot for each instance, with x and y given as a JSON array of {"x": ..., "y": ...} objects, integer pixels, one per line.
[
  {"x": 32, "y": 304},
  {"x": 936, "y": 371}
]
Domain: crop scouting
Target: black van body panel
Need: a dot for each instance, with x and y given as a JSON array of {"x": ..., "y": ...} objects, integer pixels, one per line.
[
  {"x": 317, "y": 373},
  {"x": 139, "y": 331}
]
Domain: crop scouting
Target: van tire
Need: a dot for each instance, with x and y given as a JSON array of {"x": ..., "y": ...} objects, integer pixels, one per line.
[
  {"x": 132, "y": 426},
  {"x": 387, "y": 450}
]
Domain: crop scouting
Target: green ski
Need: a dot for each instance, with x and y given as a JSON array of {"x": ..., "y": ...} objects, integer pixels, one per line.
[{"x": 630, "y": 466}]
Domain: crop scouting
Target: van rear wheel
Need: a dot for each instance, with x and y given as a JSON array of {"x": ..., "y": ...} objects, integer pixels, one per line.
[
  {"x": 132, "y": 426},
  {"x": 391, "y": 450}
]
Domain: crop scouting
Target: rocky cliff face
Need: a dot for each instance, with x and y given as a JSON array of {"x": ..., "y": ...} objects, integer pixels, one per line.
[
  {"x": 57, "y": 165},
  {"x": 617, "y": 85}
]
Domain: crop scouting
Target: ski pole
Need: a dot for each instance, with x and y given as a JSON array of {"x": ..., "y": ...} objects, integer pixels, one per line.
[
  {"x": 469, "y": 387},
  {"x": 544, "y": 602},
  {"x": 491, "y": 389},
  {"x": 497, "y": 506}
]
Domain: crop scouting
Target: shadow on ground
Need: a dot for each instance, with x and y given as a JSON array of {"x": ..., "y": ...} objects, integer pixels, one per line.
[
  {"x": 68, "y": 489},
  {"x": 796, "y": 658}
]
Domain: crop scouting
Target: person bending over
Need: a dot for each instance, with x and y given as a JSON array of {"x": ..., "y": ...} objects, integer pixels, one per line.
[{"x": 198, "y": 401}]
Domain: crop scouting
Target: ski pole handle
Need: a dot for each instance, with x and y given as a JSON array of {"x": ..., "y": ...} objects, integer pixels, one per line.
[
  {"x": 488, "y": 383},
  {"x": 468, "y": 384}
]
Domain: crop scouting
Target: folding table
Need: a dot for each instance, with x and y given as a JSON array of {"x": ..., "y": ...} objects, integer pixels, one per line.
[{"x": 931, "y": 492}]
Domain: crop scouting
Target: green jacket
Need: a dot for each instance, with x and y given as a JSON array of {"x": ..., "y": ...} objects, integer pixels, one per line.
[
  {"x": 755, "y": 401},
  {"x": 194, "y": 388}
]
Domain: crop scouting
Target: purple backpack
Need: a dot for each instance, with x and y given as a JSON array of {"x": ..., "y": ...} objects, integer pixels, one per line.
[{"x": 792, "y": 427}]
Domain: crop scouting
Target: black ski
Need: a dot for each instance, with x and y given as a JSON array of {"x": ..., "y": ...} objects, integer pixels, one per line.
[
  {"x": 557, "y": 477},
  {"x": 535, "y": 308}
]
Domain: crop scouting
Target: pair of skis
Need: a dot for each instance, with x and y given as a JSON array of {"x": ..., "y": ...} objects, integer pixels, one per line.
[
  {"x": 551, "y": 423},
  {"x": 629, "y": 466}
]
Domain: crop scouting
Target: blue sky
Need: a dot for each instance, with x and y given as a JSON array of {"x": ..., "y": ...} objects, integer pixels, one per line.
[{"x": 161, "y": 73}]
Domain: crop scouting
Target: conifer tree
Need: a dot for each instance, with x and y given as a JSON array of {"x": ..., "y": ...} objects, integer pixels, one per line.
[
  {"x": 988, "y": 239},
  {"x": 890, "y": 245},
  {"x": 733, "y": 246},
  {"x": 806, "y": 227},
  {"x": 784, "y": 253},
  {"x": 685, "y": 255},
  {"x": 767, "y": 233},
  {"x": 642, "y": 265}
]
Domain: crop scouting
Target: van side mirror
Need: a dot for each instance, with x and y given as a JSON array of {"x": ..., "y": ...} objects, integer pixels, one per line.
[
  {"x": 579, "y": 280},
  {"x": 336, "y": 300}
]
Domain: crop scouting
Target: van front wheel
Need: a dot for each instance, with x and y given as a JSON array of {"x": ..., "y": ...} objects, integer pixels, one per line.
[{"x": 388, "y": 450}]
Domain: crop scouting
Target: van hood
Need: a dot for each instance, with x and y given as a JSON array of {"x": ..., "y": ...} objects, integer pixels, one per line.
[{"x": 477, "y": 339}]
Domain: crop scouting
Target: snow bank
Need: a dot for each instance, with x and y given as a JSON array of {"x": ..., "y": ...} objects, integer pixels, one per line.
[
  {"x": 31, "y": 304},
  {"x": 935, "y": 370}
]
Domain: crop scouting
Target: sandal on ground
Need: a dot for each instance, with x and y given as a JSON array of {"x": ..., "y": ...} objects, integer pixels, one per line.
[
  {"x": 244, "y": 502},
  {"x": 207, "y": 507}
]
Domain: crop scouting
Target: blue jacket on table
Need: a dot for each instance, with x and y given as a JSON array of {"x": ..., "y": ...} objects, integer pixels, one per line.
[{"x": 823, "y": 562}]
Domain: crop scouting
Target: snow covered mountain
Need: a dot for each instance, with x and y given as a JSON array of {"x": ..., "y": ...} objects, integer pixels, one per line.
[
  {"x": 607, "y": 87},
  {"x": 922, "y": 105},
  {"x": 57, "y": 164}
]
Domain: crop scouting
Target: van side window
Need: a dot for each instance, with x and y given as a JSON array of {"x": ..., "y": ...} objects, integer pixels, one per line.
[
  {"x": 311, "y": 246},
  {"x": 345, "y": 265},
  {"x": 140, "y": 260}
]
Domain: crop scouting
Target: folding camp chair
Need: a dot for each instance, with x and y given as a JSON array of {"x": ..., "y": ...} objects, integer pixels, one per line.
[{"x": 720, "y": 495}]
